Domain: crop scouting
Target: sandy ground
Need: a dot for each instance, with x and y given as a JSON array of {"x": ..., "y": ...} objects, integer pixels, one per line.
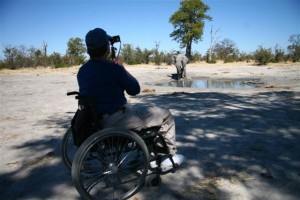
[{"x": 239, "y": 143}]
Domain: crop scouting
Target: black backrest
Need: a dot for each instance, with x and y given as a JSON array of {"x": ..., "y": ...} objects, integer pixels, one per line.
[
  {"x": 88, "y": 104},
  {"x": 86, "y": 121}
]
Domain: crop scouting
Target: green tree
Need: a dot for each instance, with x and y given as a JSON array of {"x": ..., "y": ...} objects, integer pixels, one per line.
[
  {"x": 75, "y": 47},
  {"x": 127, "y": 54},
  {"x": 294, "y": 48},
  {"x": 138, "y": 55},
  {"x": 188, "y": 23},
  {"x": 76, "y": 50},
  {"x": 146, "y": 55}
]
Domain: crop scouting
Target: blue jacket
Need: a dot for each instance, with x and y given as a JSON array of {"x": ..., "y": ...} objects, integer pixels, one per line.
[{"x": 106, "y": 83}]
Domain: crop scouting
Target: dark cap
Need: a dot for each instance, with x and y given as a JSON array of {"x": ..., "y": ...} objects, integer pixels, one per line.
[{"x": 96, "y": 38}]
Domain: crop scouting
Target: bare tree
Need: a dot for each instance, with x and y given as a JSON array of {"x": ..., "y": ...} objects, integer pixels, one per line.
[
  {"x": 44, "y": 53},
  {"x": 157, "y": 56},
  {"x": 213, "y": 41}
]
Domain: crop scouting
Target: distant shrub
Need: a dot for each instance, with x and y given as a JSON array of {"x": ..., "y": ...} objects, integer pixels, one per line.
[
  {"x": 263, "y": 56},
  {"x": 212, "y": 61},
  {"x": 244, "y": 57}
]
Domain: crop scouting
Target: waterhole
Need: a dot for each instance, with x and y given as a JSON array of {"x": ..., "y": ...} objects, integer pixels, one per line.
[{"x": 213, "y": 83}]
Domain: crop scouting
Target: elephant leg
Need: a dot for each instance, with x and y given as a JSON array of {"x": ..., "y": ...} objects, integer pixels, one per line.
[
  {"x": 178, "y": 72},
  {"x": 184, "y": 72}
]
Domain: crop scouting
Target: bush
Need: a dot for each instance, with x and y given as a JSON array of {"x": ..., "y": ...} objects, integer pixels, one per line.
[
  {"x": 213, "y": 59},
  {"x": 57, "y": 61},
  {"x": 231, "y": 58},
  {"x": 167, "y": 58},
  {"x": 263, "y": 56},
  {"x": 244, "y": 57},
  {"x": 196, "y": 57},
  {"x": 279, "y": 54}
]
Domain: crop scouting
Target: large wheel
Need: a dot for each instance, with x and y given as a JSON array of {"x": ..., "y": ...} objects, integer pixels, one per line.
[
  {"x": 68, "y": 149},
  {"x": 110, "y": 164}
]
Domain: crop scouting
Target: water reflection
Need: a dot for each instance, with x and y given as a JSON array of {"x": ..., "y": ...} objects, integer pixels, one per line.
[{"x": 214, "y": 83}]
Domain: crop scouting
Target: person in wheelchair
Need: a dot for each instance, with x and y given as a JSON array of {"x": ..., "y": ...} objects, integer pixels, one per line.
[{"x": 106, "y": 82}]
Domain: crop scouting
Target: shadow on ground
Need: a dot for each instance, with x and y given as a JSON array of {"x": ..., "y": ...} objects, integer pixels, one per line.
[{"x": 236, "y": 138}]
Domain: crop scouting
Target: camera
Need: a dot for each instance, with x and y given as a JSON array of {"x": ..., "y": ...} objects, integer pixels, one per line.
[{"x": 114, "y": 39}]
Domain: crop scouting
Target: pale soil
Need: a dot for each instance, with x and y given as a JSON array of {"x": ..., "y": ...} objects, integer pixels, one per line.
[{"x": 239, "y": 144}]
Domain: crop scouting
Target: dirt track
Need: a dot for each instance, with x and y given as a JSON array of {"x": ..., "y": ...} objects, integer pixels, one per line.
[{"x": 239, "y": 144}]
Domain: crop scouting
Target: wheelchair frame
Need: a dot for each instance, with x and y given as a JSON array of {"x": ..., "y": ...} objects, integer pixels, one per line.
[{"x": 120, "y": 159}]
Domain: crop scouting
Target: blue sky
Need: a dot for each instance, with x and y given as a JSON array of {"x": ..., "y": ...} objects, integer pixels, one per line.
[{"x": 143, "y": 23}]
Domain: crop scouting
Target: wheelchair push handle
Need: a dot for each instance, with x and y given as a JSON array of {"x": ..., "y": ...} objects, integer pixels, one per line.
[{"x": 83, "y": 99}]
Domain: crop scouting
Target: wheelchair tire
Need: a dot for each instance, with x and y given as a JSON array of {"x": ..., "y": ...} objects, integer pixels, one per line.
[
  {"x": 68, "y": 149},
  {"x": 111, "y": 164}
]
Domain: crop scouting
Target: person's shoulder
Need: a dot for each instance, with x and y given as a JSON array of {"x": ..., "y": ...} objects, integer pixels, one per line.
[{"x": 82, "y": 67}]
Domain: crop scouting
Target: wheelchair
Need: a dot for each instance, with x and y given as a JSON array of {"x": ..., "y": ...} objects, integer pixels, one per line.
[{"x": 113, "y": 163}]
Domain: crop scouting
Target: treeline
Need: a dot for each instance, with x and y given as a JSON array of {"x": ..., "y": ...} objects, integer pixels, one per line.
[
  {"x": 226, "y": 50},
  {"x": 22, "y": 57}
]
